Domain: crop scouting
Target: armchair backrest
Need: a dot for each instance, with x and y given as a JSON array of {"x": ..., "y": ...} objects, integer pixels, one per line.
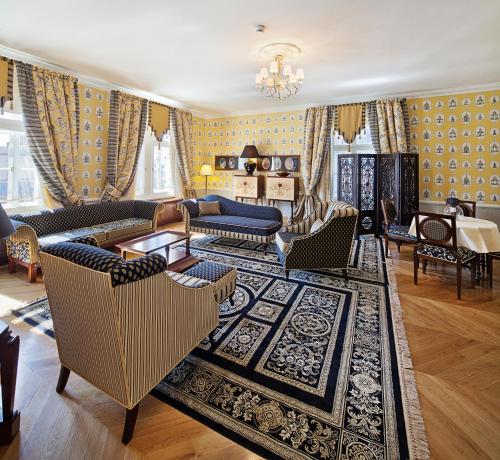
[
  {"x": 119, "y": 330},
  {"x": 330, "y": 245}
]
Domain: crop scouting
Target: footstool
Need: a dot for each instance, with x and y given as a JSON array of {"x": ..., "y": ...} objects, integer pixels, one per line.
[{"x": 222, "y": 276}]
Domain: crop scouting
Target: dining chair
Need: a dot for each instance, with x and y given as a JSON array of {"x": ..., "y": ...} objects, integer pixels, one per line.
[
  {"x": 397, "y": 233},
  {"x": 489, "y": 265},
  {"x": 437, "y": 241}
]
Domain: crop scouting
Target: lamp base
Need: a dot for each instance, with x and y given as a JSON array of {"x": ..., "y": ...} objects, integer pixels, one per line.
[{"x": 250, "y": 167}]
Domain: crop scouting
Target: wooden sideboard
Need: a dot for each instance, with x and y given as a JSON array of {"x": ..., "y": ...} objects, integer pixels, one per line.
[
  {"x": 282, "y": 189},
  {"x": 247, "y": 186}
]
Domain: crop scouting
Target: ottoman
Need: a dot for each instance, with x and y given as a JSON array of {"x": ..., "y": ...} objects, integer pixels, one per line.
[{"x": 222, "y": 276}]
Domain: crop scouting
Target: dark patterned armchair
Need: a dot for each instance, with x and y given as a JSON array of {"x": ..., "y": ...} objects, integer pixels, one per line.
[{"x": 302, "y": 246}]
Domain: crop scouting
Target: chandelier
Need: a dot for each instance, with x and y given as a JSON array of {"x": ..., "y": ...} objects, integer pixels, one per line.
[{"x": 279, "y": 81}]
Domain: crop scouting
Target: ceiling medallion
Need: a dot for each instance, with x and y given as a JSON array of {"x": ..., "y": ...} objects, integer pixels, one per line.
[{"x": 279, "y": 81}]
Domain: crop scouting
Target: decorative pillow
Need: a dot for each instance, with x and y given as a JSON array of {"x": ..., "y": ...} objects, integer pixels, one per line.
[
  {"x": 318, "y": 223},
  {"x": 209, "y": 208}
]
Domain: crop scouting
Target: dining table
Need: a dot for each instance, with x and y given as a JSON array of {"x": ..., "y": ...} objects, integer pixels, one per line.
[{"x": 480, "y": 235}]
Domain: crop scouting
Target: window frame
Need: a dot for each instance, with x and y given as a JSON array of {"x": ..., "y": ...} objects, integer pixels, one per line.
[{"x": 338, "y": 146}]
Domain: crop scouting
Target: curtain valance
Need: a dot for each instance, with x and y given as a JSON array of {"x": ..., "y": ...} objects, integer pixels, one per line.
[
  {"x": 349, "y": 120},
  {"x": 159, "y": 119}
]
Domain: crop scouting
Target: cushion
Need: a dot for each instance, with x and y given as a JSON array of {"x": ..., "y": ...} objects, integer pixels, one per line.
[
  {"x": 209, "y": 271},
  {"x": 69, "y": 235},
  {"x": 121, "y": 271},
  {"x": 186, "y": 280},
  {"x": 209, "y": 208},
  {"x": 137, "y": 269},
  {"x": 318, "y": 223},
  {"x": 439, "y": 252},
  {"x": 283, "y": 240},
  {"x": 400, "y": 232},
  {"x": 124, "y": 227},
  {"x": 237, "y": 224},
  {"x": 85, "y": 255}
]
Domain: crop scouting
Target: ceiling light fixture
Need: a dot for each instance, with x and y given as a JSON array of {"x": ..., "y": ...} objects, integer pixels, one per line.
[{"x": 279, "y": 81}]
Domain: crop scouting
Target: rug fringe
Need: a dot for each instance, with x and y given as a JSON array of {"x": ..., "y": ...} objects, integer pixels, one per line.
[{"x": 417, "y": 438}]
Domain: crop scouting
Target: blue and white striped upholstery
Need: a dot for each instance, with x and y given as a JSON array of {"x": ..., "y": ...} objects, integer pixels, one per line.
[{"x": 237, "y": 220}]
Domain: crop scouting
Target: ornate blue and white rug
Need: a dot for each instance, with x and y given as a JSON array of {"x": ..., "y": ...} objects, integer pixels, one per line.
[{"x": 309, "y": 367}]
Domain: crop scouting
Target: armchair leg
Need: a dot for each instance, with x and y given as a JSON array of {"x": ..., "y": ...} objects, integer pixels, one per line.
[
  {"x": 399, "y": 246},
  {"x": 211, "y": 338},
  {"x": 344, "y": 274},
  {"x": 459, "y": 280},
  {"x": 424, "y": 266},
  {"x": 63, "y": 379},
  {"x": 287, "y": 274},
  {"x": 32, "y": 273},
  {"x": 473, "y": 271},
  {"x": 231, "y": 299},
  {"x": 130, "y": 419},
  {"x": 265, "y": 248}
]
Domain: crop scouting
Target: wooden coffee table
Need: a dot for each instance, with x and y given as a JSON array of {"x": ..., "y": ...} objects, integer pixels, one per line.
[{"x": 178, "y": 259}]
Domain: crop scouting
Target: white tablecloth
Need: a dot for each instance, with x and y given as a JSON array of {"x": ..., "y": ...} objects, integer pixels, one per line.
[{"x": 477, "y": 234}]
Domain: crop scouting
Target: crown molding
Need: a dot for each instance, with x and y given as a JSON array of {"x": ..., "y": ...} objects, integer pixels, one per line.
[
  {"x": 85, "y": 79},
  {"x": 357, "y": 98}
]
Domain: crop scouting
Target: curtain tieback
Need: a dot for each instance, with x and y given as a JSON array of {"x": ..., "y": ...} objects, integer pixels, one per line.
[{"x": 112, "y": 191}]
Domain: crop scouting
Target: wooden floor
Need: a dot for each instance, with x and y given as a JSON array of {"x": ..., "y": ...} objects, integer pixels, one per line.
[{"x": 455, "y": 347}]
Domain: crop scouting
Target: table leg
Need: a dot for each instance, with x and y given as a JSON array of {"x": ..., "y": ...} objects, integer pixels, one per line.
[{"x": 188, "y": 246}]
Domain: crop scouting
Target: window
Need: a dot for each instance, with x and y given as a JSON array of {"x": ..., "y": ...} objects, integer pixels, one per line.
[
  {"x": 362, "y": 144},
  {"x": 156, "y": 169},
  {"x": 19, "y": 181}
]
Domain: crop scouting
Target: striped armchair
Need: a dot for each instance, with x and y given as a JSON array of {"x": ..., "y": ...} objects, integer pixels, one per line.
[
  {"x": 123, "y": 325},
  {"x": 305, "y": 247}
]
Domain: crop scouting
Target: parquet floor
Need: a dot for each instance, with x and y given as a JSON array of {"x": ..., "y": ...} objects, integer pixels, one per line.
[{"x": 455, "y": 347}]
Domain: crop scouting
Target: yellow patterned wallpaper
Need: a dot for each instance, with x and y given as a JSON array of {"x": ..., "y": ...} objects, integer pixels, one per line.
[
  {"x": 273, "y": 133},
  {"x": 93, "y": 145},
  {"x": 457, "y": 139}
]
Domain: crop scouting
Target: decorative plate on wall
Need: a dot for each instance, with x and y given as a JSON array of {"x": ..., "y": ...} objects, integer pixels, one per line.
[
  {"x": 226, "y": 162},
  {"x": 266, "y": 164},
  {"x": 286, "y": 163}
]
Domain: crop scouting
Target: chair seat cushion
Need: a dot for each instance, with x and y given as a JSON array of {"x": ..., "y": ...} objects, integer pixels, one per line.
[
  {"x": 124, "y": 227},
  {"x": 438, "y": 252},
  {"x": 400, "y": 232},
  {"x": 238, "y": 224},
  {"x": 283, "y": 240},
  {"x": 209, "y": 271},
  {"x": 68, "y": 235}
]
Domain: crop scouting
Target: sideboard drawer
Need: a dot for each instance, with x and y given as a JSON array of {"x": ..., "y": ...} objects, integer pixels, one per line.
[
  {"x": 248, "y": 186},
  {"x": 282, "y": 188}
]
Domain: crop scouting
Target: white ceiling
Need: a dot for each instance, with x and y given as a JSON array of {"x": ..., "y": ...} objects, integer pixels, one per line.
[{"x": 203, "y": 53}]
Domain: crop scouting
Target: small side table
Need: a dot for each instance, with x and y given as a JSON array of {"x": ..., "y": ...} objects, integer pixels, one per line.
[{"x": 9, "y": 357}]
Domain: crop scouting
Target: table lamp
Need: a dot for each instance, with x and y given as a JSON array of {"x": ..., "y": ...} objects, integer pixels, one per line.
[
  {"x": 6, "y": 227},
  {"x": 206, "y": 170},
  {"x": 250, "y": 151}
]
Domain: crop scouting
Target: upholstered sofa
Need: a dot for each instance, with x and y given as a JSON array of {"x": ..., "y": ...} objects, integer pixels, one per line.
[
  {"x": 237, "y": 220},
  {"x": 130, "y": 323},
  {"x": 329, "y": 246},
  {"x": 109, "y": 223}
]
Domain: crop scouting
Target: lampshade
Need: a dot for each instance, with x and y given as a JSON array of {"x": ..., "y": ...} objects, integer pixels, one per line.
[
  {"x": 6, "y": 227},
  {"x": 250, "y": 151},
  {"x": 206, "y": 170}
]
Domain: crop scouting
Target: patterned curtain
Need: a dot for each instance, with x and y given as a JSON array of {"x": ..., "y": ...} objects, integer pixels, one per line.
[
  {"x": 182, "y": 126},
  {"x": 51, "y": 114},
  {"x": 389, "y": 125},
  {"x": 317, "y": 131},
  {"x": 6, "y": 81},
  {"x": 127, "y": 125}
]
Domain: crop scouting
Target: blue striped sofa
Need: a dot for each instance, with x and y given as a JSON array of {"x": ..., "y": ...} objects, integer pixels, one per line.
[{"x": 237, "y": 220}]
